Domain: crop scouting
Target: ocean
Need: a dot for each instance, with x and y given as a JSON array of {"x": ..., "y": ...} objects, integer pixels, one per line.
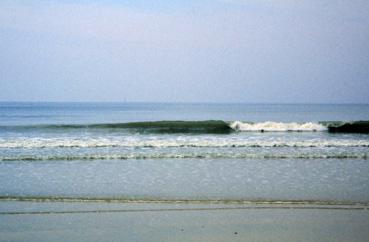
[{"x": 183, "y": 152}]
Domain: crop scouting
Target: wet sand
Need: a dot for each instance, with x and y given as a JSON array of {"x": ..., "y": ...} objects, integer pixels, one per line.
[{"x": 148, "y": 221}]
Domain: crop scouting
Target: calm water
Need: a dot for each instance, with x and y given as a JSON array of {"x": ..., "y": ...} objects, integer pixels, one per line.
[{"x": 86, "y": 150}]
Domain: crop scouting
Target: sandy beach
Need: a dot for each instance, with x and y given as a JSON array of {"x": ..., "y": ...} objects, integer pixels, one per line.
[{"x": 148, "y": 221}]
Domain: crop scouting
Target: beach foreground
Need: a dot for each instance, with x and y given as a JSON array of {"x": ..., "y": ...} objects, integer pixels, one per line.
[{"x": 159, "y": 221}]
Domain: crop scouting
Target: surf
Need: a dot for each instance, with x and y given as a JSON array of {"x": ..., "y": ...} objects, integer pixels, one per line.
[
  {"x": 277, "y": 126},
  {"x": 173, "y": 142},
  {"x": 201, "y": 127}
]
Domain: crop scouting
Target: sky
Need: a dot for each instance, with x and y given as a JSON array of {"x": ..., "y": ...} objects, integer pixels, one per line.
[{"x": 252, "y": 51}]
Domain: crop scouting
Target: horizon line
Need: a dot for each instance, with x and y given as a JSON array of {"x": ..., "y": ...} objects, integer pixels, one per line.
[{"x": 191, "y": 102}]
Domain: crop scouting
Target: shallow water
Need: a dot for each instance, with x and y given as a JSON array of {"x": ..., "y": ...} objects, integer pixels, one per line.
[{"x": 203, "y": 179}]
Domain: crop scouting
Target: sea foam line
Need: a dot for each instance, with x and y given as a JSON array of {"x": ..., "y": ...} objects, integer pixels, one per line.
[
  {"x": 140, "y": 156},
  {"x": 172, "y": 143}
]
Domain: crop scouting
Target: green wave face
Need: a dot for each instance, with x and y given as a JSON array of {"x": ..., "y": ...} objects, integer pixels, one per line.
[
  {"x": 209, "y": 126},
  {"x": 350, "y": 127}
]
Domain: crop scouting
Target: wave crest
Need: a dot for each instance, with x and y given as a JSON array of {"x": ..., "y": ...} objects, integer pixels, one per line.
[
  {"x": 277, "y": 126},
  {"x": 200, "y": 127}
]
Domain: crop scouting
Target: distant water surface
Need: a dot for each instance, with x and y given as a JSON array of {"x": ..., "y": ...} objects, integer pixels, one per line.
[{"x": 46, "y": 113}]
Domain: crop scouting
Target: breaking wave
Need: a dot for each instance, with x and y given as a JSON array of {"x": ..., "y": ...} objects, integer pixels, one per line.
[
  {"x": 277, "y": 126},
  {"x": 203, "y": 127},
  {"x": 208, "y": 126}
]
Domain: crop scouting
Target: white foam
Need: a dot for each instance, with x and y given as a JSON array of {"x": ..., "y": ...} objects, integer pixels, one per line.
[
  {"x": 30, "y": 143},
  {"x": 277, "y": 126}
]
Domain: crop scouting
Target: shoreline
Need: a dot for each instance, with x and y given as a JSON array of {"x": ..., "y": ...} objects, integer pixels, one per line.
[{"x": 154, "y": 200}]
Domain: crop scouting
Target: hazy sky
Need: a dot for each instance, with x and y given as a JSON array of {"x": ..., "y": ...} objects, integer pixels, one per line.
[{"x": 185, "y": 51}]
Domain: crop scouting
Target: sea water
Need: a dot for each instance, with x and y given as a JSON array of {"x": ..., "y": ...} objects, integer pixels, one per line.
[{"x": 157, "y": 151}]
